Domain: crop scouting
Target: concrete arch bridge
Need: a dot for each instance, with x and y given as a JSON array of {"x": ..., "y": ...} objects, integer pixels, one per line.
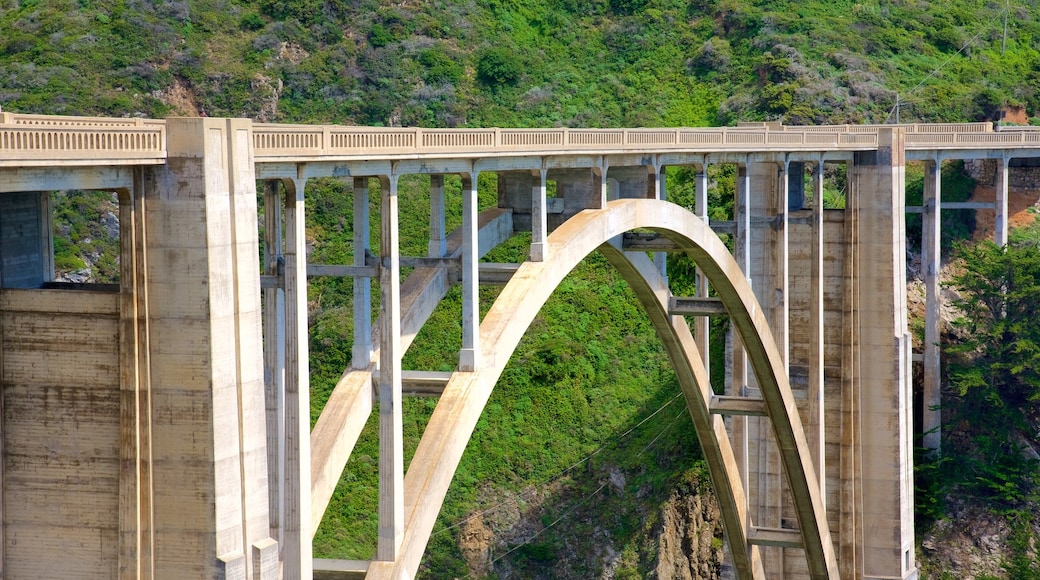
[{"x": 170, "y": 437}]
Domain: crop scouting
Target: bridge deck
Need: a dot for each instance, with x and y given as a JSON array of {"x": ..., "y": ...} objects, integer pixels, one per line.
[{"x": 40, "y": 140}]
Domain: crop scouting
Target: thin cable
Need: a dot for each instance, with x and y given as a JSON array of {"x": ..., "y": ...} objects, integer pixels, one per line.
[
  {"x": 667, "y": 428},
  {"x": 900, "y": 101},
  {"x": 561, "y": 473},
  {"x": 599, "y": 489},
  {"x": 558, "y": 520}
]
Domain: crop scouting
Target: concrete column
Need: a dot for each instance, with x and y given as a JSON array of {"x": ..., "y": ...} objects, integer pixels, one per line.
[
  {"x": 469, "y": 356},
  {"x": 816, "y": 423},
  {"x": 781, "y": 292},
  {"x": 391, "y": 447},
  {"x": 930, "y": 253},
  {"x": 767, "y": 208},
  {"x": 850, "y": 553},
  {"x": 438, "y": 239},
  {"x": 1000, "y": 225},
  {"x": 136, "y": 528},
  {"x": 885, "y": 439},
  {"x": 701, "y": 323},
  {"x": 599, "y": 180},
  {"x": 209, "y": 457},
  {"x": 362, "y": 352},
  {"x": 539, "y": 218},
  {"x": 296, "y": 488},
  {"x": 274, "y": 355},
  {"x": 739, "y": 373},
  {"x": 661, "y": 258}
]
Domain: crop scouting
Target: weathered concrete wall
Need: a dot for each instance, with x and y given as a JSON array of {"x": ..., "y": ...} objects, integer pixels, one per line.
[
  {"x": 26, "y": 258},
  {"x": 60, "y": 380},
  {"x": 801, "y": 269},
  {"x": 1022, "y": 173}
]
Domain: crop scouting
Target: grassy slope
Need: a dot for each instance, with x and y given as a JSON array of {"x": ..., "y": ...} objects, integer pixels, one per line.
[{"x": 517, "y": 63}]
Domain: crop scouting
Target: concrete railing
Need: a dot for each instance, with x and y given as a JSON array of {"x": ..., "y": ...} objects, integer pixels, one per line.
[
  {"x": 67, "y": 121},
  {"x": 271, "y": 142},
  {"x": 984, "y": 127},
  {"x": 28, "y": 138}
]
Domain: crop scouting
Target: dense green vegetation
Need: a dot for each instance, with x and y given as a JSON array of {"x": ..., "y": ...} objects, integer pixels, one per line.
[
  {"x": 510, "y": 63},
  {"x": 991, "y": 413},
  {"x": 588, "y": 393}
]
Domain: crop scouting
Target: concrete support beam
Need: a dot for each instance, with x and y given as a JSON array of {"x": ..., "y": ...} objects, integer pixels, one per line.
[
  {"x": 351, "y": 402},
  {"x": 539, "y": 217},
  {"x": 931, "y": 237},
  {"x": 391, "y": 445},
  {"x": 885, "y": 469},
  {"x": 274, "y": 355},
  {"x": 775, "y": 537},
  {"x": 739, "y": 372},
  {"x": 699, "y": 307},
  {"x": 136, "y": 528},
  {"x": 746, "y": 406},
  {"x": 816, "y": 430},
  {"x": 768, "y": 260},
  {"x": 849, "y": 554},
  {"x": 340, "y": 569},
  {"x": 208, "y": 445},
  {"x": 469, "y": 356},
  {"x": 438, "y": 237},
  {"x": 701, "y": 325},
  {"x": 1000, "y": 224},
  {"x": 296, "y": 488},
  {"x": 361, "y": 357}
]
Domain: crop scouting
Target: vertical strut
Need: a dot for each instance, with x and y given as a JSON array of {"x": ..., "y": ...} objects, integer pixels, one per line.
[
  {"x": 362, "y": 351},
  {"x": 470, "y": 354},
  {"x": 391, "y": 447},
  {"x": 297, "y": 485}
]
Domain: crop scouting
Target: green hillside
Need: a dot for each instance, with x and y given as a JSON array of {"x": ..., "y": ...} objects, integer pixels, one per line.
[
  {"x": 583, "y": 445},
  {"x": 513, "y": 63}
]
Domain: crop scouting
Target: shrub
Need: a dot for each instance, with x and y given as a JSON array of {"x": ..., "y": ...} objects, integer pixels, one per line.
[
  {"x": 251, "y": 21},
  {"x": 440, "y": 66},
  {"x": 499, "y": 66}
]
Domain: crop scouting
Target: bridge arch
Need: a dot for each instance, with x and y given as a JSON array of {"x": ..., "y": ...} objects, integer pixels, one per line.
[{"x": 455, "y": 417}]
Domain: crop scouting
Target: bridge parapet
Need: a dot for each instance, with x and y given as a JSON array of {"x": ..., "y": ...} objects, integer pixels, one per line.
[
  {"x": 27, "y": 140},
  {"x": 281, "y": 142},
  {"x": 41, "y": 140}
]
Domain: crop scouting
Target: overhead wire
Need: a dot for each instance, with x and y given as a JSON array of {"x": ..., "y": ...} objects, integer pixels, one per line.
[
  {"x": 935, "y": 71},
  {"x": 568, "y": 469}
]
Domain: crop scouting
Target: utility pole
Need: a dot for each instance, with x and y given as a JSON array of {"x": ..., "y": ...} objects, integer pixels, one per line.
[{"x": 1003, "y": 41}]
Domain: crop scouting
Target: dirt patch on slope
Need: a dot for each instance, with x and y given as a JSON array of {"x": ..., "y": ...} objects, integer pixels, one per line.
[{"x": 1019, "y": 204}]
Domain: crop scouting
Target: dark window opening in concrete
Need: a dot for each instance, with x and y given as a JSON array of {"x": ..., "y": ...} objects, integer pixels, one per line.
[{"x": 65, "y": 239}]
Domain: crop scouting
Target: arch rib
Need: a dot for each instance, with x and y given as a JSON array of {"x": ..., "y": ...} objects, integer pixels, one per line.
[{"x": 466, "y": 394}]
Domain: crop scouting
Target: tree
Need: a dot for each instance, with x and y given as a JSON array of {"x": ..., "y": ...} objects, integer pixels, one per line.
[{"x": 995, "y": 371}]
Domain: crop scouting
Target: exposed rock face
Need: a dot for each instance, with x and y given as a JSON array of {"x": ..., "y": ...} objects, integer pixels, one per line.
[
  {"x": 969, "y": 544},
  {"x": 475, "y": 544},
  {"x": 687, "y": 548},
  {"x": 681, "y": 537}
]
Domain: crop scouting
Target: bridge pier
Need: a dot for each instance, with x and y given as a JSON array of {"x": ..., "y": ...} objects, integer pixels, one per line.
[
  {"x": 884, "y": 438},
  {"x": 204, "y": 455}
]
